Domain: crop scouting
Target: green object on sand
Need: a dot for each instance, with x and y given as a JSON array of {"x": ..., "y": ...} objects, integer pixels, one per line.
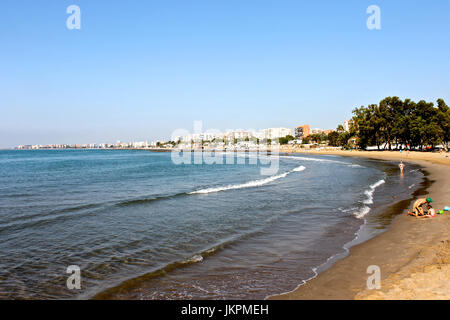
[{"x": 441, "y": 211}]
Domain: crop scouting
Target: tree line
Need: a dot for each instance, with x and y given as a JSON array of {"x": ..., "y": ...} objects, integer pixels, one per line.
[
  {"x": 393, "y": 123},
  {"x": 402, "y": 124}
]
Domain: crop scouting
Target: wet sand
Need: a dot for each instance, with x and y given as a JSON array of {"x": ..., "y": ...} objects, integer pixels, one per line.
[{"x": 413, "y": 254}]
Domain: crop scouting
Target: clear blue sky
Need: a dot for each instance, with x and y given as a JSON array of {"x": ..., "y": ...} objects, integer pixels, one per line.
[{"x": 137, "y": 70}]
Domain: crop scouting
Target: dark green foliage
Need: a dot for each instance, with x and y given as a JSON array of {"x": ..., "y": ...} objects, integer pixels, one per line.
[
  {"x": 397, "y": 122},
  {"x": 285, "y": 140},
  {"x": 333, "y": 139}
]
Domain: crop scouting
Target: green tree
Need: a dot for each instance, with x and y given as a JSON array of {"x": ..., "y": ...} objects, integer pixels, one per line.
[
  {"x": 285, "y": 140},
  {"x": 401, "y": 123},
  {"x": 443, "y": 122},
  {"x": 333, "y": 139},
  {"x": 343, "y": 139},
  {"x": 316, "y": 137}
]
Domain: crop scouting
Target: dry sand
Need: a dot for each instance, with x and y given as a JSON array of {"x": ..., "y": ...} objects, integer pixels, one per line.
[{"x": 413, "y": 254}]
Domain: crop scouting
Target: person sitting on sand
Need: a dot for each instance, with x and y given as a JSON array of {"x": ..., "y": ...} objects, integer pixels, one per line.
[
  {"x": 430, "y": 214},
  {"x": 418, "y": 207}
]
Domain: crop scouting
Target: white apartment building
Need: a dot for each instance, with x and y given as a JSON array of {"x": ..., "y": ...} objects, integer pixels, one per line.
[
  {"x": 276, "y": 133},
  {"x": 140, "y": 144},
  {"x": 347, "y": 125},
  {"x": 239, "y": 134}
]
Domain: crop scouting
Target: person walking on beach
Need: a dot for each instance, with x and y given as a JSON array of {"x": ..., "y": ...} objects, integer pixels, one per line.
[
  {"x": 401, "y": 166},
  {"x": 418, "y": 206}
]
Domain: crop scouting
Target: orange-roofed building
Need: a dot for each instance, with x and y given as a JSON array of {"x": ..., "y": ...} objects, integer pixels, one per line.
[{"x": 302, "y": 131}]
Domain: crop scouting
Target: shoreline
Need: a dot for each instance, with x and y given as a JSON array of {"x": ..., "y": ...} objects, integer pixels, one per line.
[{"x": 413, "y": 254}]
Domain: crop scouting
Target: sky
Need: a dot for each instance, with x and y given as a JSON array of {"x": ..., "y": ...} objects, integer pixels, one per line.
[{"x": 138, "y": 70}]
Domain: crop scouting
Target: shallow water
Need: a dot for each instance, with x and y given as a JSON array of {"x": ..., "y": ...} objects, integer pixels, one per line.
[{"x": 147, "y": 228}]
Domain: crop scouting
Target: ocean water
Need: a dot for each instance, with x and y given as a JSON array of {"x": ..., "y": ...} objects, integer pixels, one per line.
[{"x": 141, "y": 227}]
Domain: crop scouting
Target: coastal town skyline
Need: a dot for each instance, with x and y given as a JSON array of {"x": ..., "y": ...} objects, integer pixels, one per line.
[{"x": 298, "y": 133}]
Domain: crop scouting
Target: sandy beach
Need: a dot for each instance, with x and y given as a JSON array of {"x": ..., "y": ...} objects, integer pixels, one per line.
[{"x": 413, "y": 254}]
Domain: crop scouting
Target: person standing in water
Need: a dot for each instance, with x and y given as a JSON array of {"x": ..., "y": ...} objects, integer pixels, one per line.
[{"x": 401, "y": 166}]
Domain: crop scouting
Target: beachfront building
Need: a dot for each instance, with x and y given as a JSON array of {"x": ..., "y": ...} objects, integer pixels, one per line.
[
  {"x": 118, "y": 144},
  {"x": 239, "y": 135},
  {"x": 187, "y": 139},
  {"x": 213, "y": 136},
  {"x": 204, "y": 136},
  {"x": 348, "y": 124},
  {"x": 302, "y": 131},
  {"x": 316, "y": 131},
  {"x": 194, "y": 137},
  {"x": 24, "y": 147},
  {"x": 140, "y": 144},
  {"x": 276, "y": 133}
]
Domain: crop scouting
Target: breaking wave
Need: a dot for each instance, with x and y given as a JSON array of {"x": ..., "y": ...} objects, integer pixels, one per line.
[
  {"x": 254, "y": 183},
  {"x": 369, "y": 200}
]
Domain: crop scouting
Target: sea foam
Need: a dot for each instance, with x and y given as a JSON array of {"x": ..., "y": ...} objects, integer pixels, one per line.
[
  {"x": 369, "y": 200},
  {"x": 254, "y": 183}
]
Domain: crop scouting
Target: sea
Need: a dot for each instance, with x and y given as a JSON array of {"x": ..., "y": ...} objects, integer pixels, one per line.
[{"x": 134, "y": 224}]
